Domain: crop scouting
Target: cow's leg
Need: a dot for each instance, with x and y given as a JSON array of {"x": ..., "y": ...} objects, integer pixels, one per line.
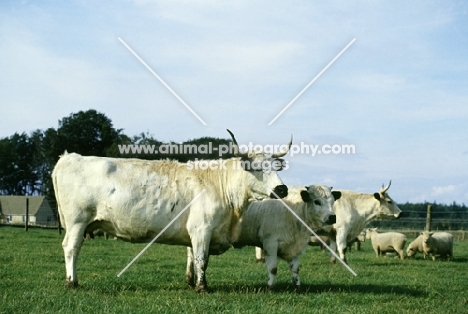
[
  {"x": 271, "y": 262},
  {"x": 190, "y": 272},
  {"x": 341, "y": 244},
  {"x": 294, "y": 267},
  {"x": 259, "y": 255},
  {"x": 71, "y": 248},
  {"x": 333, "y": 248},
  {"x": 200, "y": 251}
]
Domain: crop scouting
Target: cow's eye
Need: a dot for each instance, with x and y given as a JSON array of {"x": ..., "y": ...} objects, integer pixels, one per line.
[
  {"x": 390, "y": 202},
  {"x": 318, "y": 203}
]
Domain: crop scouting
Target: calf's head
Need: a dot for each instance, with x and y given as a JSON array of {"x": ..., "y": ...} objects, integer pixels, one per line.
[{"x": 319, "y": 199}]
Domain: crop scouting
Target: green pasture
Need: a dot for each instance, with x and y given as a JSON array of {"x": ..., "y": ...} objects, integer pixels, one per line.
[{"x": 32, "y": 280}]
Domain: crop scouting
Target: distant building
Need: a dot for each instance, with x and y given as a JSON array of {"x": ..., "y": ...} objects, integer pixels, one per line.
[{"x": 13, "y": 211}]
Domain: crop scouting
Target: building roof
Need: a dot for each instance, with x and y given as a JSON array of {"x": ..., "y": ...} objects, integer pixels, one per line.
[{"x": 16, "y": 205}]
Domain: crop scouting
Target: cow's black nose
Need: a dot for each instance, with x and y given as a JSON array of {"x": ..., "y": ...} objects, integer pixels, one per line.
[
  {"x": 331, "y": 220},
  {"x": 280, "y": 190}
]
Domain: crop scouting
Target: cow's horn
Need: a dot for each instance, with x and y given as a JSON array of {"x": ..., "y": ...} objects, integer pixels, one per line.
[
  {"x": 385, "y": 189},
  {"x": 284, "y": 151},
  {"x": 236, "y": 146}
]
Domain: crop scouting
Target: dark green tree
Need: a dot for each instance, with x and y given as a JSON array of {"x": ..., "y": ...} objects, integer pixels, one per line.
[
  {"x": 88, "y": 133},
  {"x": 17, "y": 172}
]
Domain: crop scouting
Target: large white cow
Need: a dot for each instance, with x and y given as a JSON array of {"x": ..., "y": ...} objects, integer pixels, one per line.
[
  {"x": 270, "y": 225},
  {"x": 135, "y": 199},
  {"x": 353, "y": 212}
]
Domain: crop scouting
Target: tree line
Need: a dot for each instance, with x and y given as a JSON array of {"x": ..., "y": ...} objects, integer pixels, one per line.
[
  {"x": 444, "y": 217},
  {"x": 27, "y": 160}
]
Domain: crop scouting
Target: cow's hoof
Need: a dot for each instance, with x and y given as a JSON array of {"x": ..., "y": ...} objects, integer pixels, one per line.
[
  {"x": 261, "y": 260},
  {"x": 201, "y": 289},
  {"x": 189, "y": 280},
  {"x": 297, "y": 288},
  {"x": 332, "y": 260},
  {"x": 71, "y": 284}
]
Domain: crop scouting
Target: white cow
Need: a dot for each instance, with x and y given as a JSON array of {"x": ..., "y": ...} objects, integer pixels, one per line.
[
  {"x": 135, "y": 199},
  {"x": 353, "y": 212},
  {"x": 270, "y": 225}
]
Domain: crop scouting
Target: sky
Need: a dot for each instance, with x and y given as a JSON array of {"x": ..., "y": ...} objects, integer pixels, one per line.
[{"x": 398, "y": 93}]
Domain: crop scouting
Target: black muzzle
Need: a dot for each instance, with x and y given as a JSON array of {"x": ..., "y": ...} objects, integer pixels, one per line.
[
  {"x": 280, "y": 190},
  {"x": 331, "y": 220}
]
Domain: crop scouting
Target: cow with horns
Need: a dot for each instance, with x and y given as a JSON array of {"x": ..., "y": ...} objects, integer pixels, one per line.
[
  {"x": 354, "y": 211},
  {"x": 136, "y": 199}
]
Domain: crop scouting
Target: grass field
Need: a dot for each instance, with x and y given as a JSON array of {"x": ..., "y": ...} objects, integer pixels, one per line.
[{"x": 32, "y": 278}]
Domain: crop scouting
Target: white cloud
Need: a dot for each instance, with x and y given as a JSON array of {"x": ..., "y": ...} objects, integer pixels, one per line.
[{"x": 445, "y": 190}]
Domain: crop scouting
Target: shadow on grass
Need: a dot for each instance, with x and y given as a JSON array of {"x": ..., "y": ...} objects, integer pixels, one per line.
[
  {"x": 324, "y": 288},
  {"x": 119, "y": 288}
]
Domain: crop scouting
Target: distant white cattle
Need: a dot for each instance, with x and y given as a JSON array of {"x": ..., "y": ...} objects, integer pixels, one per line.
[
  {"x": 360, "y": 238},
  {"x": 268, "y": 224},
  {"x": 136, "y": 199},
  {"x": 387, "y": 242},
  {"x": 437, "y": 243},
  {"x": 353, "y": 212},
  {"x": 313, "y": 241}
]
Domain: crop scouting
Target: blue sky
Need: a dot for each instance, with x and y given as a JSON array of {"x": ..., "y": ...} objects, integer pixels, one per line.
[{"x": 399, "y": 93}]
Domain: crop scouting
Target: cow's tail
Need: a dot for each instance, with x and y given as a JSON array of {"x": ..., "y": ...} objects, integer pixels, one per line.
[{"x": 57, "y": 197}]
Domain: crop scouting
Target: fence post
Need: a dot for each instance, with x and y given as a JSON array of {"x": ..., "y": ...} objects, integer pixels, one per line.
[
  {"x": 26, "y": 223},
  {"x": 428, "y": 217}
]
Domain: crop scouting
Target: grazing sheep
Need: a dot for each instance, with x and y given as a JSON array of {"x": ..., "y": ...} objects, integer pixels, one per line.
[
  {"x": 387, "y": 242},
  {"x": 415, "y": 247},
  {"x": 437, "y": 243}
]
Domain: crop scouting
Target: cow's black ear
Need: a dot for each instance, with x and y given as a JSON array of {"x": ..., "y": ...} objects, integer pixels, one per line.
[
  {"x": 305, "y": 196},
  {"x": 377, "y": 196},
  {"x": 336, "y": 195}
]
